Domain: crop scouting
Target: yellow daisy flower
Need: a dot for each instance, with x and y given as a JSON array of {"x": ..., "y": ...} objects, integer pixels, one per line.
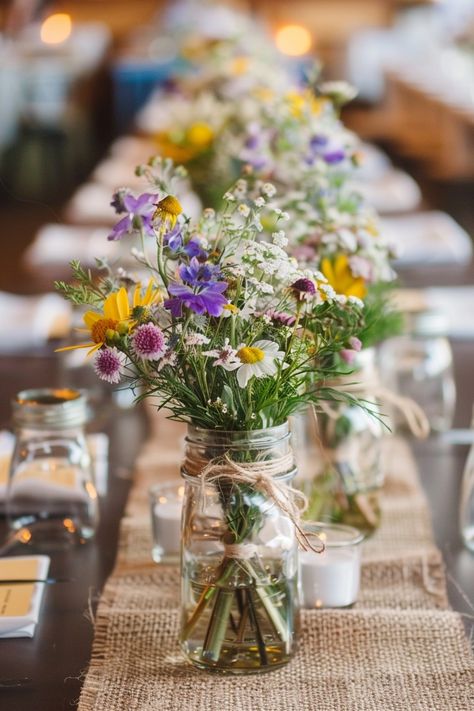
[
  {"x": 168, "y": 210},
  {"x": 339, "y": 275},
  {"x": 115, "y": 316}
]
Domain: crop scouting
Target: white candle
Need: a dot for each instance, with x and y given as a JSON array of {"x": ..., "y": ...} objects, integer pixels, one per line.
[
  {"x": 166, "y": 529},
  {"x": 330, "y": 578}
]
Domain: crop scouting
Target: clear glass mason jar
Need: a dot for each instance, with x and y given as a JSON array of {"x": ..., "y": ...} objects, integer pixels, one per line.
[
  {"x": 420, "y": 366},
  {"x": 466, "y": 507},
  {"x": 51, "y": 496},
  {"x": 341, "y": 455},
  {"x": 239, "y": 553}
]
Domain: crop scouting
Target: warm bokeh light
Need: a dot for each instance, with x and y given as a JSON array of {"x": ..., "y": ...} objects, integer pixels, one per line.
[
  {"x": 294, "y": 40},
  {"x": 56, "y": 28}
]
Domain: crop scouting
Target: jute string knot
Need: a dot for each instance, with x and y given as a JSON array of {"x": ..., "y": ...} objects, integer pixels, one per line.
[
  {"x": 412, "y": 412},
  {"x": 262, "y": 476}
]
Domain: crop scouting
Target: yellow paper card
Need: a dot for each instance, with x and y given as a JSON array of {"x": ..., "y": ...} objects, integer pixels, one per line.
[
  {"x": 15, "y": 600},
  {"x": 4, "y": 469}
]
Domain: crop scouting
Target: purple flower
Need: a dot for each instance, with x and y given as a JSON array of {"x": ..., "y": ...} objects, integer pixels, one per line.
[
  {"x": 334, "y": 155},
  {"x": 317, "y": 142},
  {"x": 139, "y": 214},
  {"x": 303, "y": 289},
  {"x": 175, "y": 242},
  {"x": 108, "y": 364},
  {"x": 280, "y": 318},
  {"x": 207, "y": 298},
  {"x": 174, "y": 239},
  {"x": 149, "y": 342},
  {"x": 193, "y": 249},
  {"x": 198, "y": 274},
  {"x": 321, "y": 147}
]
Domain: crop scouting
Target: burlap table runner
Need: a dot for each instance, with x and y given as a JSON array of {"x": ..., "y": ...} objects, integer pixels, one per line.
[{"x": 399, "y": 648}]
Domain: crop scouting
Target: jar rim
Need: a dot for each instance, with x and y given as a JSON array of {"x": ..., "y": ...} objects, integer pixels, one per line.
[
  {"x": 274, "y": 432},
  {"x": 56, "y": 408},
  {"x": 351, "y": 536}
]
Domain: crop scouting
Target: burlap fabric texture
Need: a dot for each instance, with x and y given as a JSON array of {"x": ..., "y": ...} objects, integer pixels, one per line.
[{"x": 399, "y": 649}]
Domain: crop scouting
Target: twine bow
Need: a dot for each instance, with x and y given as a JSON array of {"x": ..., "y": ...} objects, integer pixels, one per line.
[
  {"x": 260, "y": 475},
  {"x": 413, "y": 413}
]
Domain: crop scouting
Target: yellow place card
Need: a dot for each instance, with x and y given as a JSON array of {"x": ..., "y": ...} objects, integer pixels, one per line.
[
  {"x": 4, "y": 469},
  {"x": 15, "y": 600}
]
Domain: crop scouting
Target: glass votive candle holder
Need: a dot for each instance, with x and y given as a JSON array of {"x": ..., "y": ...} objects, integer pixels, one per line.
[
  {"x": 166, "y": 504},
  {"x": 331, "y": 578}
]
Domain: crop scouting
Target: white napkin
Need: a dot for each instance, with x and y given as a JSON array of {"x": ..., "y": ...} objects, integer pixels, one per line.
[
  {"x": 394, "y": 191},
  {"x": 132, "y": 149},
  {"x": 60, "y": 244},
  {"x": 427, "y": 238},
  {"x": 374, "y": 162},
  {"x": 21, "y": 625},
  {"x": 29, "y": 321},
  {"x": 457, "y": 305}
]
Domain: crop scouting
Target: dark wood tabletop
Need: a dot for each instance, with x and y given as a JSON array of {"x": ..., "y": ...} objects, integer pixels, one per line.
[{"x": 51, "y": 666}]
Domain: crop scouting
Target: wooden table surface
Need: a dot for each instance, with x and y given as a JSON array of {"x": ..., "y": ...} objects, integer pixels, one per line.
[{"x": 53, "y": 663}]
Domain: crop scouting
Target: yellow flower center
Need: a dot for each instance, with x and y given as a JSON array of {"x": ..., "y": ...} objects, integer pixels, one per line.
[
  {"x": 200, "y": 135},
  {"x": 170, "y": 206},
  {"x": 250, "y": 355},
  {"x": 100, "y": 328},
  {"x": 230, "y": 307}
]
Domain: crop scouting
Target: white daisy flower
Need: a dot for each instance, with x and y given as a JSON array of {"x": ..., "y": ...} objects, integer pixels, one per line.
[
  {"x": 244, "y": 209},
  {"x": 259, "y": 360}
]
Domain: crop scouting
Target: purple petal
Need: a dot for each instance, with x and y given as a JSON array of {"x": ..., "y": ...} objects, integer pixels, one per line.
[{"x": 120, "y": 229}]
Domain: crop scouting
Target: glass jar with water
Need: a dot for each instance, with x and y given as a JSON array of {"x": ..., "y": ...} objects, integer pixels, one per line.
[{"x": 51, "y": 497}]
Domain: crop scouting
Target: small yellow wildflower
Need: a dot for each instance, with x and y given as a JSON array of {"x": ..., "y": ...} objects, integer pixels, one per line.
[
  {"x": 167, "y": 210},
  {"x": 199, "y": 135},
  {"x": 240, "y": 65},
  {"x": 230, "y": 307},
  {"x": 340, "y": 277}
]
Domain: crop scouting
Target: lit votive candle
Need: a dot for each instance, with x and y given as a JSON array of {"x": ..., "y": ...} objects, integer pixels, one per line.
[
  {"x": 166, "y": 501},
  {"x": 331, "y": 578}
]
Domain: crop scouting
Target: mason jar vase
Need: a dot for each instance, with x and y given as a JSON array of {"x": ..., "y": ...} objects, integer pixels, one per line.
[{"x": 239, "y": 551}]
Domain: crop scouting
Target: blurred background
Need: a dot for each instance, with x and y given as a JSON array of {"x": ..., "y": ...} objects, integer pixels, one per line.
[{"x": 74, "y": 75}]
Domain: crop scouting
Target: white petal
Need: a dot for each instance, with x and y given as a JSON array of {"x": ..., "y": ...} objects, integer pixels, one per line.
[
  {"x": 270, "y": 346},
  {"x": 229, "y": 366},
  {"x": 267, "y": 367},
  {"x": 244, "y": 374}
]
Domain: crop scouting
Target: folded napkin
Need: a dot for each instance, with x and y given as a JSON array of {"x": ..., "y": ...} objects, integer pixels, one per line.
[
  {"x": 132, "y": 149},
  {"x": 116, "y": 172},
  {"x": 20, "y": 603},
  {"x": 57, "y": 244},
  {"x": 394, "y": 191},
  {"x": 29, "y": 321},
  {"x": 66, "y": 482},
  {"x": 374, "y": 163},
  {"x": 427, "y": 238},
  {"x": 455, "y": 304}
]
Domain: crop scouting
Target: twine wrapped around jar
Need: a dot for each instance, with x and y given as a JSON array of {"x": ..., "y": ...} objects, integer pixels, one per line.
[{"x": 263, "y": 477}]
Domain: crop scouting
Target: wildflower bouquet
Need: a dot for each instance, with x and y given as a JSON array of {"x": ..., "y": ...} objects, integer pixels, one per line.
[
  {"x": 224, "y": 331},
  {"x": 299, "y": 142}
]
